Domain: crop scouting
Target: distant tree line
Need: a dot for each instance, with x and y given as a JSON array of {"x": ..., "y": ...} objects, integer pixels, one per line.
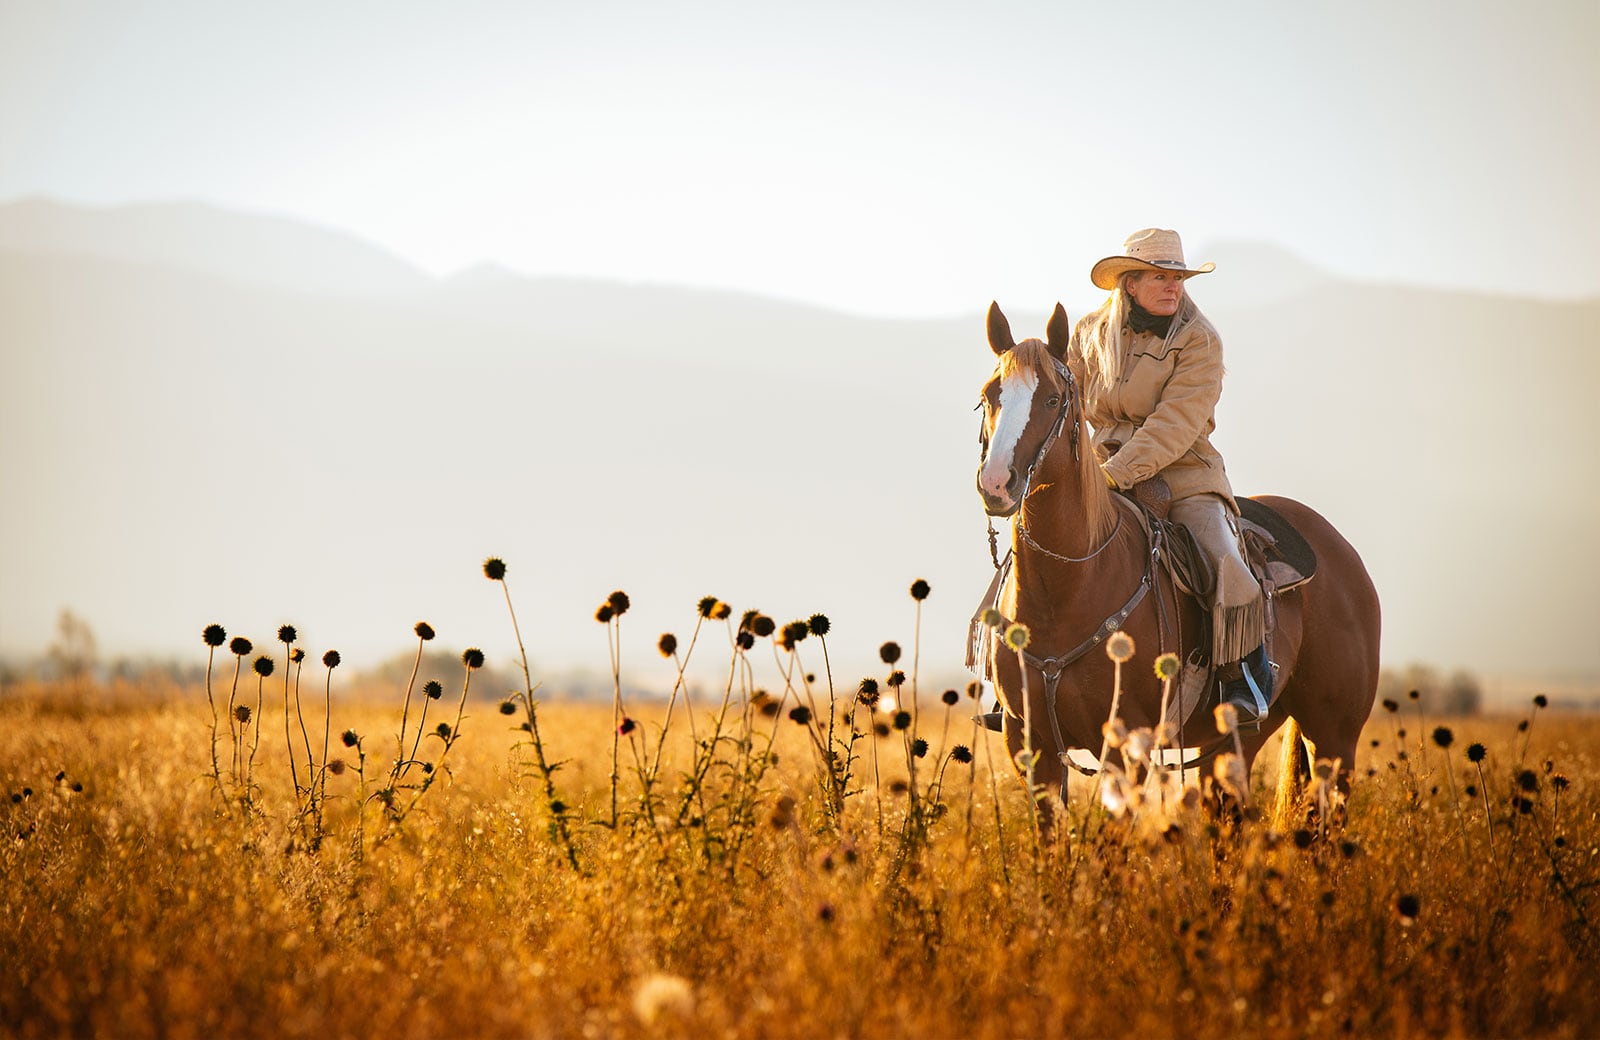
[{"x": 1458, "y": 693}]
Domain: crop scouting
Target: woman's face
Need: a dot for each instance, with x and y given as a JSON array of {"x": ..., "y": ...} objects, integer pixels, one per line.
[{"x": 1158, "y": 292}]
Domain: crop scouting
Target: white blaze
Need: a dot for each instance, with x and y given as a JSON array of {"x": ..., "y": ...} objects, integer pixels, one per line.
[{"x": 1016, "y": 402}]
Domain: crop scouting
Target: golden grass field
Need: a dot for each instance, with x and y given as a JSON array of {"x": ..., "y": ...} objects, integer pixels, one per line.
[{"x": 140, "y": 898}]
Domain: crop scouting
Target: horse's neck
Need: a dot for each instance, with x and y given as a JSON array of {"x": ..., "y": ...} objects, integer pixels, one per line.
[{"x": 1055, "y": 511}]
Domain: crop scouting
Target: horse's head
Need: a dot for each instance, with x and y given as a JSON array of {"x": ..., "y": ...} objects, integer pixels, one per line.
[{"x": 1028, "y": 395}]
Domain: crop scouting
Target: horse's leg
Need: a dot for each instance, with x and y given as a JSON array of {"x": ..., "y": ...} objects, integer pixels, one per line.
[{"x": 1047, "y": 773}]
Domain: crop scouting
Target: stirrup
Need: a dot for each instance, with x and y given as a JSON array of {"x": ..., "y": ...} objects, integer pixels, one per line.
[{"x": 1249, "y": 697}]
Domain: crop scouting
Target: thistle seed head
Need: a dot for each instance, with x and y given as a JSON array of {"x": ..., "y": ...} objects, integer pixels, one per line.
[
  {"x": 263, "y": 666},
  {"x": 472, "y": 657},
  {"x": 920, "y": 590},
  {"x": 667, "y": 644},
  {"x": 423, "y": 630},
  {"x": 286, "y": 634},
  {"x": 432, "y": 690},
  {"x": 214, "y": 635},
  {"x": 331, "y": 659},
  {"x": 240, "y": 645},
  {"x": 889, "y": 653},
  {"x": 819, "y": 624},
  {"x": 494, "y": 568}
]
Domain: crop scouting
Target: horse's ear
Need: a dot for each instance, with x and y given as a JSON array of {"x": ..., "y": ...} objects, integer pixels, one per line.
[
  {"x": 1058, "y": 332},
  {"x": 1000, "y": 339}
]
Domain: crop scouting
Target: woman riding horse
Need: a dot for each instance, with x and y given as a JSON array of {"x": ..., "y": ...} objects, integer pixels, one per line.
[{"x": 1150, "y": 366}]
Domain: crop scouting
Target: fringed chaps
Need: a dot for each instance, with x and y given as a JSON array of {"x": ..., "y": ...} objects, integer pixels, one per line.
[{"x": 1238, "y": 614}]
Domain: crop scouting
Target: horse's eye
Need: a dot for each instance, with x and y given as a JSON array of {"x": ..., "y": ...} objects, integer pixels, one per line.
[{"x": 1053, "y": 402}]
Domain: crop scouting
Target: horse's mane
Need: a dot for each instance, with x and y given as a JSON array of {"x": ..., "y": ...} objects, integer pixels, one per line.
[{"x": 1032, "y": 356}]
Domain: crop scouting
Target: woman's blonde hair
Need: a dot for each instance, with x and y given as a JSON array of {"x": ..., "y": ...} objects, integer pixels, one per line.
[{"x": 1101, "y": 346}]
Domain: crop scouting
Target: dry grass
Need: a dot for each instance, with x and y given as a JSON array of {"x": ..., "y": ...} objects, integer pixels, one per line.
[{"x": 132, "y": 907}]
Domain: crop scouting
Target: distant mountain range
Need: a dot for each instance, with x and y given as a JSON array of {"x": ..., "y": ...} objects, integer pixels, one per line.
[{"x": 212, "y": 416}]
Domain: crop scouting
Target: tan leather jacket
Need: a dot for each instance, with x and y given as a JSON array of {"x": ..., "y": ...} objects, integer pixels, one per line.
[{"x": 1161, "y": 412}]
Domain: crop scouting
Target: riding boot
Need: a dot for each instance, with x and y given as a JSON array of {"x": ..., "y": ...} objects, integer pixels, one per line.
[{"x": 1247, "y": 685}]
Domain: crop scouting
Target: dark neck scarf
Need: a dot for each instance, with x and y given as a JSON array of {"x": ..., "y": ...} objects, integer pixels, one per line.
[{"x": 1141, "y": 320}]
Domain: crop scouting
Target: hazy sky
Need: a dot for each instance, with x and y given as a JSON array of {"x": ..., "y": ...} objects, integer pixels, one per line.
[{"x": 899, "y": 159}]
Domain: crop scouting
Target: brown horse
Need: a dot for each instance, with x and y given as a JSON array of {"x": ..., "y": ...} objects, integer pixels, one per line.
[{"x": 1081, "y": 568}]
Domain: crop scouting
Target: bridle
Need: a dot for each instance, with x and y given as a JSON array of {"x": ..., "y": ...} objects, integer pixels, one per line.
[{"x": 1068, "y": 414}]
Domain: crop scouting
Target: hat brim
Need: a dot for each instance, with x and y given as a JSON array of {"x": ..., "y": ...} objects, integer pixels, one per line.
[{"x": 1105, "y": 273}]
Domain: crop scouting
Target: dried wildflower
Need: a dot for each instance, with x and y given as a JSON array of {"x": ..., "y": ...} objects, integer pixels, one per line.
[
  {"x": 896, "y": 679},
  {"x": 1167, "y": 666},
  {"x": 1115, "y": 732},
  {"x": 889, "y": 653},
  {"x": 443, "y": 729},
  {"x": 1415, "y": 695},
  {"x": 604, "y": 614},
  {"x": 242, "y": 713},
  {"x": 432, "y": 690},
  {"x": 762, "y": 626},
  {"x": 1348, "y": 849},
  {"x": 336, "y": 767},
  {"x": 880, "y": 729},
  {"x": 950, "y": 697},
  {"x": 331, "y": 659},
  {"x": 627, "y": 726},
  {"x": 658, "y": 996},
  {"x": 794, "y": 632},
  {"x": 1443, "y": 736},
  {"x": 1227, "y": 717},
  {"x": 240, "y": 645},
  {"x": 1408, "y": 907},
  {"x": 974, "y": 688},
  {"x": 472, "y": 657},
  {"x": 707, "y": 606},
  {"x": 745, "y": 640},
  {"x": 494, "y": 568},
  {"x": 902, "y": 720},
  {"x": 961, "y": 753},
  {"x": 214, "y": 635},
  {"x": 867, "y": 692},
  {"x": 721, "y": 611},
  {"x": 920, "y": 590},
  {"x": 1120, "y": 647},
  {"x": 992, "y": 618},
  {"x": 1528, "y": 780},
  {"x": 423, "y": 630},
  {"x": 286, "y": 634},
  {"x": 1523, "y": 805},
  {"x": 618, "y": 602},
  {"x": 819, "y": 624},
  {"x": 297, "y": 655},
  {"x": 800, "y": 714},
  {"x": 1017, "y": 637},
  {"x": 1541, "y": 701},
  {"x": 898, "y": 786},
  {"x": 667, "y": 644},
  {"x": 1560, "y": 782},
  {"x": 350, "y": 738},
  {"x": 263, "y": 666},
  {"x": 1303, "y": 838},
  {"x": 783, "y": 811},
  {"x": 508, "y": 707},
  {"x": 1390, "y": 706},
  {"x": 919, "y": 748}
]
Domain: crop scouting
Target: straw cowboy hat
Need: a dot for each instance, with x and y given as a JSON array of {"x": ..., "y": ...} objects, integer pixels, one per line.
[{"x": 1149, "y": 250}]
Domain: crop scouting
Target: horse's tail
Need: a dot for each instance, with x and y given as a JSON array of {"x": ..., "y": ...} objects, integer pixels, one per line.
[{"x": 1294, "y": 776}]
